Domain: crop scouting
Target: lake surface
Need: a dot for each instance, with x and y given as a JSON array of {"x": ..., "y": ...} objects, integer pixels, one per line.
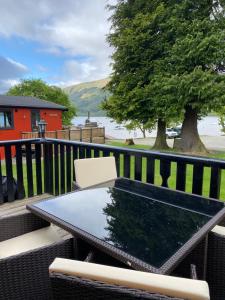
[{"x": 207, "y": 126}]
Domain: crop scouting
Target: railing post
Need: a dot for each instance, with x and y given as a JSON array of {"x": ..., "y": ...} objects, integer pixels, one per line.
[
  {"x": 30, "y": 182},
  {"x": 9, "y": 173},
  {"x": 215, "y": 183},
  {"x": 38, "y": 155},
  {"x": 19, "y": 172},
  {"x": 198, "y": 173},
  {"x": 165, "y": 169},
  {"x": 91, "y": 138},
  {"x": 46, "y": 167},
  {"x": 80, "y": 134}
]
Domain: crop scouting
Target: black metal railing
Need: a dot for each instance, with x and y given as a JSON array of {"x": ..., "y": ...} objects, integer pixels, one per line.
[{"x": 46, "y": 166}]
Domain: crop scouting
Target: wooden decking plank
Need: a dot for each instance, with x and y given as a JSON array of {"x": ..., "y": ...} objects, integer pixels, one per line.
[{"x": 18, "y": 206}]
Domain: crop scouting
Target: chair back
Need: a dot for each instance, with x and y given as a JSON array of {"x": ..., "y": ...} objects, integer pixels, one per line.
[
  {"x": 91, "y": 171},
  {"x": 73, "y": 279}
]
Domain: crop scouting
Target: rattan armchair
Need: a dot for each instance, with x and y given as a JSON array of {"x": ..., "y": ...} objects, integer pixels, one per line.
[
  {"x": 25, "y": 275},
  {"x": 82, "y": 280}
]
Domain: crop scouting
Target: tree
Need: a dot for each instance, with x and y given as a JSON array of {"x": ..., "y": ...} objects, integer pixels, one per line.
[
  {"x": 40, "y": 89},
  {"x": 138, "y": 45},
  {"x": 222, "y": 121},
  {"x": 194, "y": 64},
  {"x": 168, "y": 61},
  {"x": 142, "y": 127}
]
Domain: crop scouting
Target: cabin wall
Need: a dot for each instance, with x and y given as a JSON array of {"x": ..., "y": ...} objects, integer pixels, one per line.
[
  {"x": 21, "y": 118},
  {"x": 22, "y": 123},
  {"x": 53, "y": 118}
]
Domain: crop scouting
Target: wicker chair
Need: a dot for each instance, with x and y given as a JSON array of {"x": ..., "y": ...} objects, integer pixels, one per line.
[
  {"x": 216, "y": 263},
  {"x": 25, "y": 275},
  {"x": 100, "y": 169},
  {"x": 82, "y": 280}
]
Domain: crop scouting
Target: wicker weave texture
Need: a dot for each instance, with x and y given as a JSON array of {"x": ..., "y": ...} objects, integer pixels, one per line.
[
  {"x": 26, "y": 276},
  {"x": 216, "y": 266},
  {"x": 71, "y": 288},
  {"x": 19, "y": 224}
]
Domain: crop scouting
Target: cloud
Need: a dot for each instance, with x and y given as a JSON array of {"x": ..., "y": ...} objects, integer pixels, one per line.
[
  {"x": 75, "y": 72},
  {"x": 10, "y": 72},
  {"x": 11, "y": 69},
  {"x": 68, "y": 28}
]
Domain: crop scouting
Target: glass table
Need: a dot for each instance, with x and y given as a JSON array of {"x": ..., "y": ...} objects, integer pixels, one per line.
[{"x": 146, "y": 227}]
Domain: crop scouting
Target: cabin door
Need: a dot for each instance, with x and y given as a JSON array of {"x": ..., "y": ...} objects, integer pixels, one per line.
[{"x": 35, "y": 119}]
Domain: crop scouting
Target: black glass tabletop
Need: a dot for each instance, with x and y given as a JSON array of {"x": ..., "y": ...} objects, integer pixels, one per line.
[{"x": 140, "y": 222}]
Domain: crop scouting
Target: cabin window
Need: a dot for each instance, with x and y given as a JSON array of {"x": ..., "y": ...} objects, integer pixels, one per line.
[{"x": 6, "y": 119}]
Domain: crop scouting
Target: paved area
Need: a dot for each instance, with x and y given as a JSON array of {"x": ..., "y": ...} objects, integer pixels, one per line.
[{"x": 216, "y": 143}]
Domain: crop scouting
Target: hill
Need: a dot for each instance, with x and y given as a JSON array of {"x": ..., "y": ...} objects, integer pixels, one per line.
[{"x": 88, "y": 96}]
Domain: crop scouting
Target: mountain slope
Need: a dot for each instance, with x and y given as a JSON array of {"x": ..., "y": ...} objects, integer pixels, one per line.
[{"x": 88, "y": 96}]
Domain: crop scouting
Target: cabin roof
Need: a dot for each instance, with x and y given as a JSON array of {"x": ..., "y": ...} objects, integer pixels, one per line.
[{"x": 28, "y": 102}]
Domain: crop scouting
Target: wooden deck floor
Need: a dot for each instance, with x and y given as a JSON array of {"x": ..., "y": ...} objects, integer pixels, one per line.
[{"x": 19, "y": 206}]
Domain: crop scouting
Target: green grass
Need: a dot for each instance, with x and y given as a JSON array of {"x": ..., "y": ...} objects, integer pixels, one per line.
[{"x": 172, "y": 179}]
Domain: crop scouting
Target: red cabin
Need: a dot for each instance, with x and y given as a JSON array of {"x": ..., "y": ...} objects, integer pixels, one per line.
[{"x": 21, "y": 114}]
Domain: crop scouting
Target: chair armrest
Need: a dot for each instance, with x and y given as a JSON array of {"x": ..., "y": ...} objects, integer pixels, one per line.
[
  {"x": 16, "y": 225},
  {"x": 124, "y": 279},
  {"x": 25, "y": 275}
]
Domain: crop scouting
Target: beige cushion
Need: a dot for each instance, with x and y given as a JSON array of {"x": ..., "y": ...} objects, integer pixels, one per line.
[
  {"x": 165, "y": 285},
  {"x": 29, "y": 241},
  {"x": 91, "y": 171},
  {"x": 219, "y": 230}
]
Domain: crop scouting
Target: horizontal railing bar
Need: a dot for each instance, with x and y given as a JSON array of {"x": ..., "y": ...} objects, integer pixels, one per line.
[
  {"x": 22, "y": 141},
  {"x": 173, "y": 157}
]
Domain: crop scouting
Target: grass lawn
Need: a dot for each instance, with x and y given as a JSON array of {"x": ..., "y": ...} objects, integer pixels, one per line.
[{"x": 172, "y": 179}]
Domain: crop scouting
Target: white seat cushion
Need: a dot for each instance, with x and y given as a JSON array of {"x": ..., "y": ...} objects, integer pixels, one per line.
[
  {"x": 165, "y": 285},
  {"x": 91, "y": 171},
  {"x": 29, "y": 241},
  {"x": 219, "y": 230}
]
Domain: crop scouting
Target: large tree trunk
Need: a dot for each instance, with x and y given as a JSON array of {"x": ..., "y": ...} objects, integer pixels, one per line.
[
  {"x": 160, "y": 142},
  {"x": 190, "y": 141}
]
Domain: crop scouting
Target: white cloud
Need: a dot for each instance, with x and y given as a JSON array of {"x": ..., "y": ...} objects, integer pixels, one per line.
[
  {"x": 10, "y": 72},
  {"x": 69, "y": 27},
  {"x": 76, "y": 72},
  {"x": 17, "y": 65}
]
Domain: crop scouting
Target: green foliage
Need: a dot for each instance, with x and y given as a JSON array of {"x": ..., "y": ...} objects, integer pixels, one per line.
[
  {"x": 148, "y": 126},
  {"x": 138, "y": 47},
  {"x": 195, "y": 58},
  {"x": 169, "y": 56},
  {"x": 40, "y": 89},
  {"x": 221, "y": 115}
]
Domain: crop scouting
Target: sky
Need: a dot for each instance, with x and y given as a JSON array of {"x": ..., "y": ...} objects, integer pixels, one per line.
[{"x": 62, "y": 42}]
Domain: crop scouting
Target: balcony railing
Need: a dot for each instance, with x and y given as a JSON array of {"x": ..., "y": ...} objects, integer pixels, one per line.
[{"x": 46, "y": 166}]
